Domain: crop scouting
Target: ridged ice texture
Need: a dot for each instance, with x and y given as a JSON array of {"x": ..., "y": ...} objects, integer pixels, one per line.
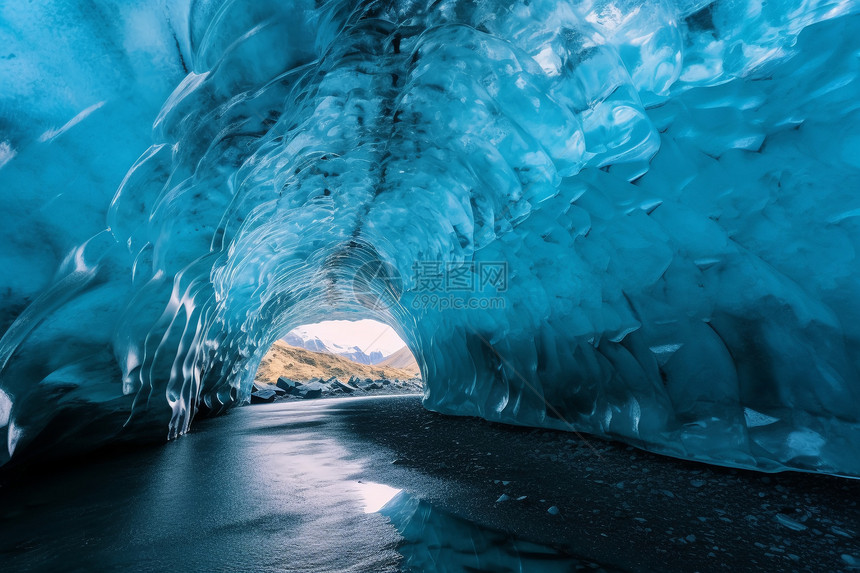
[{"x": 673, "y": 185}]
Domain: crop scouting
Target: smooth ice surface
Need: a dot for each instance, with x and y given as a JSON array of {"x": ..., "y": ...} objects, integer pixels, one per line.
[{"x": 672, "y": 185}]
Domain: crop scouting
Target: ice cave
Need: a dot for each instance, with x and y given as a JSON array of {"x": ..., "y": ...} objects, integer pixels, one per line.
[{"x": 665, "y": 195}]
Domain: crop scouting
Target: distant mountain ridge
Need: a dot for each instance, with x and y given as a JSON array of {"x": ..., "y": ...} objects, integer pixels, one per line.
[
  {"x": 316, "y": 344},
  {"x": 402, "y": 359},
  {"x": 300, "y": 364}
]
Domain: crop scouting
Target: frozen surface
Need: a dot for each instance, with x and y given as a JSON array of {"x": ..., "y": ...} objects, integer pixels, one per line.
[{"x": 672, "y": 186}]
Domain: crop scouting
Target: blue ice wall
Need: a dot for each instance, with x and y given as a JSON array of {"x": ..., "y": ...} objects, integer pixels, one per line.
[{"x": 670, "y": 185}]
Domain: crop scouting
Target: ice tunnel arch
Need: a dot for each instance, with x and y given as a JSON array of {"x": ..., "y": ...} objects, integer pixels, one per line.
[{"x": 668, "y": 185}]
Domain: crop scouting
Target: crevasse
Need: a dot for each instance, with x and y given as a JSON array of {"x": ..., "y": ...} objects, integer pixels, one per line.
[{"x": 671, "y": 187}]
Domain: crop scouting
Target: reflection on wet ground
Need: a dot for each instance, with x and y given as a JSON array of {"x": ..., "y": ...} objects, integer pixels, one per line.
[
  {"x": 273, "y": 488},
  {"x": 381, "y": 485}
]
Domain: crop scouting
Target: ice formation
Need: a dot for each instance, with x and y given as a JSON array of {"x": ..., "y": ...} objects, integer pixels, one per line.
[{"x": 672, "y": 185}]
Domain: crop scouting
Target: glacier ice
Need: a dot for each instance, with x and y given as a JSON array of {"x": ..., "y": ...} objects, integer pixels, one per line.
[
  {"x": 671, "y": 184},
  {"x": 435, "y": 540}
]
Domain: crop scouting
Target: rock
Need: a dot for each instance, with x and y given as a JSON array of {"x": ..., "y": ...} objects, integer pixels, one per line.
[
  {"x": 344, "y": 387},
  {"x": 552, "y": 510},
  {"x": 263, "y": 397},
  {"x": 842, "y": 532},
  {"x": 287, "y": 385},
  {"x": 789, "y": 522},
  {"x": 310, "y": 391},
  {"x": 353, "y": 381},
  {"x": 269, "y": 387}
]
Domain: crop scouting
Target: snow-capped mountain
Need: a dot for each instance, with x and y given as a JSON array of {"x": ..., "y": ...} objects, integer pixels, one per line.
[{"x": 308, "y": 341}]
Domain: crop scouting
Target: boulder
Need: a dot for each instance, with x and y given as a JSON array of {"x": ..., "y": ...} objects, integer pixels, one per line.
[
  {"x": 310, "y": 391},
  {"x": 263, "y": 397},
  {"x": 287, "y": 385},
  {"x": 258, "y": 387},
  {"x": 343, "y": 387}
]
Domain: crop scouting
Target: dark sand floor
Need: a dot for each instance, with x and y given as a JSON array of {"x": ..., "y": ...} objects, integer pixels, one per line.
[{"x": 295, "y": 486}]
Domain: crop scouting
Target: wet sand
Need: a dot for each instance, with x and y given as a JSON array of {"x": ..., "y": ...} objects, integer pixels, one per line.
[
  {"x": 618, "y": 506},
  {"x": 284, "y": 487}
]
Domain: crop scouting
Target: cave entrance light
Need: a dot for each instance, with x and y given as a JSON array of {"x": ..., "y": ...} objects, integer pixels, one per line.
[{"x": 345, "y": 349}]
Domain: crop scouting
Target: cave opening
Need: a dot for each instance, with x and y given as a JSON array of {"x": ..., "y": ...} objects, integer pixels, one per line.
[{"x": 337, "y": 358}]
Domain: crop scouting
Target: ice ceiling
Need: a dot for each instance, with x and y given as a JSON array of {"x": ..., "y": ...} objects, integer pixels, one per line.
[{"x": 672, "y": 185}]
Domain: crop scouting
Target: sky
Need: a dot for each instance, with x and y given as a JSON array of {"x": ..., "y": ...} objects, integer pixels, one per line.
[{"x": 369, "y": 335}]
